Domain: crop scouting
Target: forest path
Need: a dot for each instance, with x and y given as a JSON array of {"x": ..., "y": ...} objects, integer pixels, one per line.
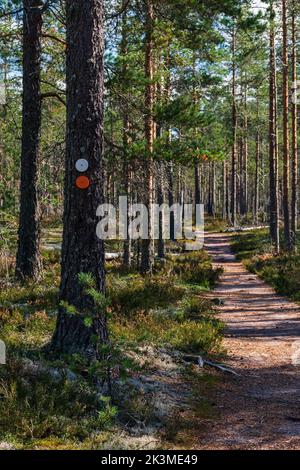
[{"x": 260, "y": 409}]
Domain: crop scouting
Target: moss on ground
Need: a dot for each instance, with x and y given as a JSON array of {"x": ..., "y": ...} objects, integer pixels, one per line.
[{"x": 40, "y": 405}]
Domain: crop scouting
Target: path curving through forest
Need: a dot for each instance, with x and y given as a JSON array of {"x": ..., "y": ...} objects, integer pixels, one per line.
[{"x": 260, "y": 408}]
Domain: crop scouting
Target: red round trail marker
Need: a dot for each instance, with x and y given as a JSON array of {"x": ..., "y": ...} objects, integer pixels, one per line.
[{"x": 82, "y": 182}]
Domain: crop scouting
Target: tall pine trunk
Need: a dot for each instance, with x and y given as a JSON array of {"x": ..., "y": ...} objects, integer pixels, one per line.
[
  {"x": 224, "y": 191},
  {"x": 273, "y": 139},
  {"x": 256, "y": 185},
  {"x": 160, "y": 168},
  {"x": 234, "y": 135},
  {"x": 147, "y": 245},
  {"x": 244, "y": 156},
  {"x": 82, "y": 250},
  {"x": 286, "y": 137},
  {"x": 126, "y": 134},
  {"x": 295, "y": 198},
  {"x": 28, "y": 263},
  {"x": 197, "y": 174}
]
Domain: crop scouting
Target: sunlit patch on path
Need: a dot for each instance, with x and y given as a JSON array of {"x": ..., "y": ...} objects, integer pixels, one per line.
[{"x": 260, "y": 409}]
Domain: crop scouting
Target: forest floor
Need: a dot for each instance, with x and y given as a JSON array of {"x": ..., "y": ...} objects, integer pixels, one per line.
[
  {"x": 259, "y": 408},
  {"x": 159, "y": 398}
]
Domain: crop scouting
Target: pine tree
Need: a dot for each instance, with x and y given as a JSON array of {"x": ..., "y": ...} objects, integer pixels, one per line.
[
  {"x": 28, "y": 263},
  {"x": 82, "y": 251}
]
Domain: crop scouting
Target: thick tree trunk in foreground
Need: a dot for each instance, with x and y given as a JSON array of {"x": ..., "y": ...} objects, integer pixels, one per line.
[
  {"x": 82, "y": 251},
  {"x": 286, "y": 137},
  {"x": 295, "y": 170},
  {"x": 28, "y": 264},
  {"x": 147, "y": 245},
  {"x": 273, "y": 141}
]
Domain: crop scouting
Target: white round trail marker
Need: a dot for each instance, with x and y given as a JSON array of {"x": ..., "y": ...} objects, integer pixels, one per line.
[{"x": 82, "y": 165}]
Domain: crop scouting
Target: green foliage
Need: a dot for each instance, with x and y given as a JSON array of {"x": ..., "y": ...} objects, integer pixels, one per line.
[
  {"x": 35, "y": 406},
  {"x": 197, "y": 308},
  {"x": 200, "y": 338},
  {"x": 282, "y": 272},
  {"x": 196, "y": 268},
  {"x": 143, "y": 294}
]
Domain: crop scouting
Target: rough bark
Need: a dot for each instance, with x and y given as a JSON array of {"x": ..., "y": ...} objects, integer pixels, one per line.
[
  {"x": 224, "y": 191},
  {"x": 147, "y": 245},
  {"x": 273, "y": 140},
  {"x": 294, "y": 212},
  {"x": 28, "y": 262},
  {"x": 126, "y": 134},
  {"x": 197, "y": 184},
  {"x": 234, "y": 135},
  {"x": 256, "y": 185},
  {"x": 286, "y": 136},
  {"x": 82, "y": 250},
  {"x": 244, "y": 160}
]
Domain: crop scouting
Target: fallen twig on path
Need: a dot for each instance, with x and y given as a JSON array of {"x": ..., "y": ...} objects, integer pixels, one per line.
[{"x": 198, "y": 360}]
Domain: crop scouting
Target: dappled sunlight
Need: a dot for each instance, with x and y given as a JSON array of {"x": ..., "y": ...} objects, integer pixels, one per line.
[{"x": 259, "y": 408}]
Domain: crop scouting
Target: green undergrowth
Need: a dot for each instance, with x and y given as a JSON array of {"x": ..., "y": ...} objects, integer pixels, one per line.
[
  {"x": 282, "y": 272},
  {"x": 215, "y": 224},
  {"x": 41, "y": 407}
]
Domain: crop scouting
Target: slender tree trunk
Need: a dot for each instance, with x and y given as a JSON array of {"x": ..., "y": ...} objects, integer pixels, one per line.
[
  {"x": 82, "y": 250},
  {"x": 126, "y": 135},
  {"x": 295, "y": 129},
  {"x": 244, "y": 173},
  {"x": 228, "y": 194},
  {"x": 170, "y": 172},
  {"x": 28, "y": 263},
  {"x": 234, "y": 136},
  {"x": 224, "y": 190},
  {"x": 197, "y": 185},
  {"x": 256, "y": 190},
  {"x": 212, "y": 189},
  {"x": 161, "y": 247},
  {"x": 147, "y": 245},
  {"x": 286, "y": 137},
  {"x": 273, "y": 139},
  {"x": 160, "y": 186}
]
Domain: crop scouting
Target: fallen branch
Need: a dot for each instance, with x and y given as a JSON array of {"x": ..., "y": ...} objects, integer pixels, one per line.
[
  {"x": 245, "y": 229},
  {"x": 199, "y": 361},
  {"x": 221, "y": 368}
]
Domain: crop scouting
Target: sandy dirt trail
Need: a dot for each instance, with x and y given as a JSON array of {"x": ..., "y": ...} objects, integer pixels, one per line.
[{"x": 260, "y": 409}]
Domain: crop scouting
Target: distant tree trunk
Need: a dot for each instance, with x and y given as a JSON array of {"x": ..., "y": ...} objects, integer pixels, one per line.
[
  {"x": 197, "y": 185},
  {"x": 256, "y": 188},
  {"x": 234, "y": 136},
  {"x": 273, "y": 139},
  {"x": 126, "y": 134},
  {"x": 212, "y": 190},
  {"x": 82, "y": 250},
  {"x": 224, "y": 192},
  {"x": 161, "y": 246},
  {"x": 160, "y": 186},
  {"x": 28, "y": 263},
  {"x": 147, "y": 245},
  {"x": 286, "y": 137},
  {"x": 244, "y": 173},
  {"x": 170, "y": 171},
  {"x": 295, "y": 129}
]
